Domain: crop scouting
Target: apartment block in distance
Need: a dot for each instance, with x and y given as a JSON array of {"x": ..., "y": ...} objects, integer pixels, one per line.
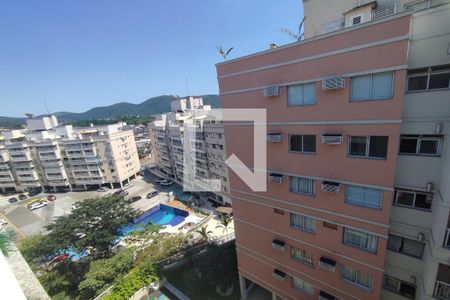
[
  {"x": 358, "y": 163},
  {"x": 46, "y": 156},
  {"x": 167, "y": 134}
]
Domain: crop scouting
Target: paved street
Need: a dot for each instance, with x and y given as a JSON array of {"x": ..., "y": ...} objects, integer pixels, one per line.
[{"x": 26, "y": 222}]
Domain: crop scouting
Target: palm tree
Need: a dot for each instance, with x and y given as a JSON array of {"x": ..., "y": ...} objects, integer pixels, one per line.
[
  {"x": 6, "y": 241},
  {"x": 204, "y": 232},
  {"x": 298, "y": 36},
  {"x": 223, "y": 53},
  {"x": 225, "y": 221}
]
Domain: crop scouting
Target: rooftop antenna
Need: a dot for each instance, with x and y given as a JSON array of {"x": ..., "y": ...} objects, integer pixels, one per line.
[
  {"x": 187, "y": 86},
  {"x": 46, "y": 107}
]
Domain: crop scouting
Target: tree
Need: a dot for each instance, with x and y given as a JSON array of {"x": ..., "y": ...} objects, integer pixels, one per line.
[
  {"x": 298, "y": 36},
  {"x": 223, "y": 53},
  {"x": 94, "y": 224},
  {"x": 103, "y": 272},
  {"x": 225, "y": 221},
  {"x": 6, "y": 241},
  {"x": 204, "y": 232}
]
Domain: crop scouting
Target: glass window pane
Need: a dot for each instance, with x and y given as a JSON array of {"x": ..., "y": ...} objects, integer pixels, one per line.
[
  {"x": 295, "y": 95},
  {"x": 428, "y": 147},
  {"x": 394, "y": 243},
  {"x": 408, "y": 145},
  {"x": 439, "y": 81},
  {"x": 417, "y": 83},
  {"x": 358, "y": 145},
  {"x": 382, "y": 86},
  {"x": 295, "y": 143},
  {"x": 309, "y": 93},
  {"x": 372, "y": 197},
  {"x": 354, "y": 194},
  {"x": 421, "y": 201},
  {"x": 413, "y": 248},
  {"x": 309, "y": 143},
  {"x": 361, "y": 86},
  {"x": 303, "y": 185},
  {"x": 293, "y": 181},
  {"x": 378, "y": 146},
  {"x": 405, "y": 198}
]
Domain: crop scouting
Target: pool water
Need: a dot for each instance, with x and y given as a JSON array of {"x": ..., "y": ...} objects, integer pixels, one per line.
[{"x": 160, "y": 214}]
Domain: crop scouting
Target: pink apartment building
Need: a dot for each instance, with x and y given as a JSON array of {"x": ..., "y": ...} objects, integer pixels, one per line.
[{"x": 335, "y": 110}]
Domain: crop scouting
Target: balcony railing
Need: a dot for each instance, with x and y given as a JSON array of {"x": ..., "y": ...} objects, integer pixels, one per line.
[
  {"x": 442, "y": 290},
  {"x": 447, "y": 238},
  {"x": 384, "y": 11}
]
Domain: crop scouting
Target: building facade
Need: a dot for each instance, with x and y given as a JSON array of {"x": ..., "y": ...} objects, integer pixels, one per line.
[
  {"x": 49, "y": 157},
  {"x": 167, "y": 134},
  {"x": 357, "y": 200}
]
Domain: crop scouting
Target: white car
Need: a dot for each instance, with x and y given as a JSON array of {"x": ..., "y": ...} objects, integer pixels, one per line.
[
  {"x": 37, "y": 205},
  {"x": 127, "y": 186},
  {"x": 103, "y": 189},
  {"x": 3, "y": 222},
  {"x": 166, "y": 183}
]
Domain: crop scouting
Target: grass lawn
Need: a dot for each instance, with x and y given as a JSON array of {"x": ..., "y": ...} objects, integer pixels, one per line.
[{"x": 198, "y": 278}]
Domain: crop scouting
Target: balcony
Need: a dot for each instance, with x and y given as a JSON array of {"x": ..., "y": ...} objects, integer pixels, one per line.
[{"x": 442, "y": 285}]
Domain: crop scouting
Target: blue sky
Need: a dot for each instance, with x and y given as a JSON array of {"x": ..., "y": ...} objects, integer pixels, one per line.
[{"x": 78, "y": 54}]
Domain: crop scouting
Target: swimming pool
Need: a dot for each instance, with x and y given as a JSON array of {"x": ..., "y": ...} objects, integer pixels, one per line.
[{"x": 160, "y": 214}]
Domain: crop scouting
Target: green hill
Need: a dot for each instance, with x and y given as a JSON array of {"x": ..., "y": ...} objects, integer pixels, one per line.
[{"x": 152, "y": 106}]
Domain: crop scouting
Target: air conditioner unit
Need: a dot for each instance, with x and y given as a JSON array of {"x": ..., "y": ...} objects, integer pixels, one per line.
[
  {"x": 276, "y": 178},
  {"x": 330, "y": 187},
  {"x": 274, "y": 137},
  {"x": 332, "y": 139},
  {"x": 279, "y": 275},
  {"x": 272, "y": 91},
  {"x": 278, "y": 245},
  {"x": 334, "y": 83},
  {"x": 327, "y": 263},
  {"x": 325, "y": 296}
]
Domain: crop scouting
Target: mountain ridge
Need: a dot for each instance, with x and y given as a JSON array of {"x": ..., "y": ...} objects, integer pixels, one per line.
[{"x": 155, "y": 105}]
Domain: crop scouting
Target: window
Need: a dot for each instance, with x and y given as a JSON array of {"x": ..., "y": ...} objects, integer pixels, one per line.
[
  {"x": 302, "y": 286},
  {"x": 302, "y": 222},
  {"x": 302, "y": 256},
  {"x": 400, "y": 287},
  {"x": 302, "y": 143},
  {"x": 368, "y": 146},
  {"x": 357, "y": 277},
  {"x": 301, "y": 185},
  {"x": 364, "y": 196},
  {"x": 372, "y": 86},
  {"x": 413, "y": 199},
  {"x": 421, "y": 144},
  {"x": 361, "y": 240},
  {"x": 302, "y": 94},
  {"x": 405, "y": 246},
  {"x": 432, "y": 78}
]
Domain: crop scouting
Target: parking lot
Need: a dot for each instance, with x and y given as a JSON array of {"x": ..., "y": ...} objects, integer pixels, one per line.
[{"x": 26, "y": 222}]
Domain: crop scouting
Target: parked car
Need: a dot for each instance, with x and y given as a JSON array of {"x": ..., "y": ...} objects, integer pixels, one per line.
[
  {"x": 51, "y": 197},
  {"x": 166, "y": 183},
  {"x": 134, "y": 199},
  {"x": 33, "y": 193},
  {"x": 103, "y": 189},
  {"x": 127, "y": 186},
  {"x": 3, "y": 222},
  {"x": 22, "y": 197},
  {"x": 152, "y": 194},
  {"x": 12, "y": 200},
  {"x": 37, "y": 205},
  {"x": 159, "y": 180},
  {"x": 121, "y": 193}
]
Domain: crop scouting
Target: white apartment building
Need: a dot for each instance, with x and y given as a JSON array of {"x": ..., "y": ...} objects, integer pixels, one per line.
[
  {"x": 167, "y": 134},
  {"x": 46, "y": 156}
]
